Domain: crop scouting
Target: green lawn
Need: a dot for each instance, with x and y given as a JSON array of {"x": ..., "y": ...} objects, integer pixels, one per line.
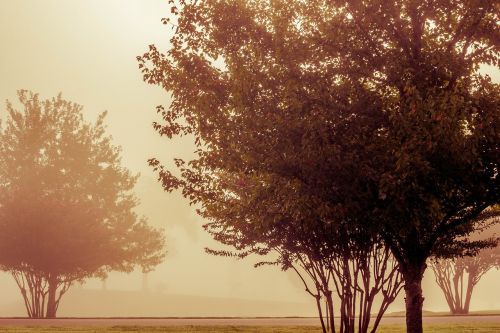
[{"x": 483, "y": 328}]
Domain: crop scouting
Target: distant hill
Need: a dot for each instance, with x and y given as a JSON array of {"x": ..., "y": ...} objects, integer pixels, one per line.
[{"x": 118, "y": 303}]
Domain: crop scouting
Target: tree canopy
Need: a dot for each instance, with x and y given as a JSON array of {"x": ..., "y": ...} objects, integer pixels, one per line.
[
  {"x": 66, "y": 203},
  {"x": 367, "y": 106}
]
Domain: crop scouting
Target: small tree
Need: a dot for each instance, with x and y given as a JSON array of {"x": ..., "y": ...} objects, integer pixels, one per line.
[
  {"x": 457, "y": 277},
  {"x": 359, "y": 276},
  {"x": 66, "y": 204},
  {"x": 324, "y": 255}
]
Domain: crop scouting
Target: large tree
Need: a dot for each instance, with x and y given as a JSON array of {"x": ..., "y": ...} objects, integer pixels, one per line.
[
  {"x": 264, "y": 86},
  {"x": 66, "y": 203}
]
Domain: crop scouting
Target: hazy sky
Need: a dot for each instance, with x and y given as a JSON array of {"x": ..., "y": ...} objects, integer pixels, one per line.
[{"x": 86, "y": 49}]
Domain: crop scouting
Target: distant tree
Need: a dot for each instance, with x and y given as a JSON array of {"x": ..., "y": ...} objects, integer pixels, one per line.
[
  {"x": 457, "y": 277},
  {"x": 66, "y": 203},
  {"x": 264, "y": 86}
]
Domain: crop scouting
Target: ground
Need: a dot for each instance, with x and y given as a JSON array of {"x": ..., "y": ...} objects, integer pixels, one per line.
[
  {"x": 451, "y": 328},
  {"x": 478, "y": 323}
]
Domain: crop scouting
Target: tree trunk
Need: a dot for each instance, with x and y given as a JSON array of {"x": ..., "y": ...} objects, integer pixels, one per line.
[
  {"x": 329, "y": 302},
  {"x": 51, "y": 302},
  {"x": 457, "y": 306},
  {"x": 320, "y": 313},
  {"x": 470, "y": 288},
  {"x": 414, "y": 299}
]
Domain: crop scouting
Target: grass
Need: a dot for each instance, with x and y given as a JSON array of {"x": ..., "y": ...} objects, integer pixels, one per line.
[
  {"x": 446, "y": 328},
  {"x": 454, "y": 328}
]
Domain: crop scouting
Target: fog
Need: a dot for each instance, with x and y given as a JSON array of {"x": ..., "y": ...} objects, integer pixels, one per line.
[{"x": 86, "y": 49}]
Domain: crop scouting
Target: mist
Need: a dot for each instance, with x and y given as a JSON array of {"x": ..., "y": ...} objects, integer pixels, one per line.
[{"x": 87, "y": 51}]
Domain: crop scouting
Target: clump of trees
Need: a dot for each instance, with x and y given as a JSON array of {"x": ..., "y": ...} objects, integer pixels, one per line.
[
  {"x": 329, "y": 257},
  {"x": 364, "y": 277},
  {"x": 370, "y": 115},
  {"x": 66, "y": 203},
  {"x": 457, "y": 277}
]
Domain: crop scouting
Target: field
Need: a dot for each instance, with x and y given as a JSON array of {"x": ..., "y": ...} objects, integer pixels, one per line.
[
  {"x": 445, "y": 328},
  {"x": 432, "y": 324}
]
